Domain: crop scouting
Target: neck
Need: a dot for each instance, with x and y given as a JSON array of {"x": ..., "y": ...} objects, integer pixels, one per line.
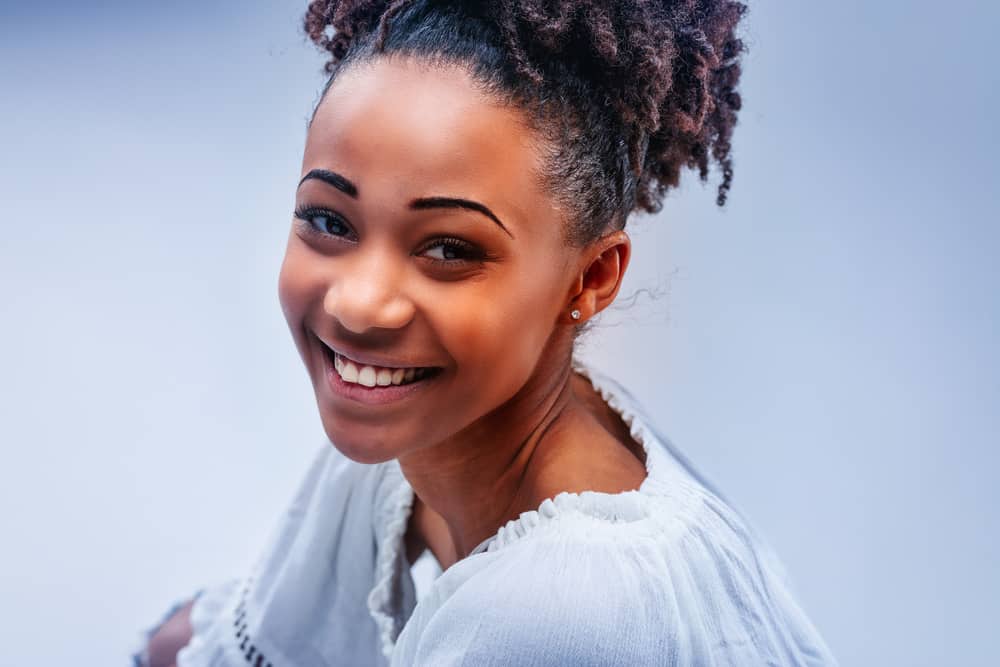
[{"x": 478, "y": 479}]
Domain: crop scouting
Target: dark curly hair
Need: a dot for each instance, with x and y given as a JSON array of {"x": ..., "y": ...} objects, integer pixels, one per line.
[{"x": 626, "y": 93}]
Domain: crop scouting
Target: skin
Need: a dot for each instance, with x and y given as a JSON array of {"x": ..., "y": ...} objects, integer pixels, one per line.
[
  {"x": 506, "y": 423},
  {"x": 170, "y": 638}
]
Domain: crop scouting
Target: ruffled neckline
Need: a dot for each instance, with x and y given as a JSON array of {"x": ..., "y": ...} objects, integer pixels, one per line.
[
  {"x": 396, "y": 503},
  {"x": 624, "y": 506}
]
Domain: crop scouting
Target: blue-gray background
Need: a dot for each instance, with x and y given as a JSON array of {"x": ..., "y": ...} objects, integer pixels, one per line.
[{"x": 824, "y": 348}]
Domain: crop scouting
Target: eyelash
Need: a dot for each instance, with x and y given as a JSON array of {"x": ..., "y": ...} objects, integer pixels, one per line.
[
  {"x": 472, "y": 253},
  {"x": 306, "y": 214}
]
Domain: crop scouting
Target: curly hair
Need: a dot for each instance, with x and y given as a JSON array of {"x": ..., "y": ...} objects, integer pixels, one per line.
[{"x": 626, "y": 93}]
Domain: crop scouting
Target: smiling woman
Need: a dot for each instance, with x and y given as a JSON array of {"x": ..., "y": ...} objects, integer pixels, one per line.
[{"x": 467, "y": 177}]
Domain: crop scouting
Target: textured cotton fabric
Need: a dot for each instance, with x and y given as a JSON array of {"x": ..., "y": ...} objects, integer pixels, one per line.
[{"x": 669, "y": 574}]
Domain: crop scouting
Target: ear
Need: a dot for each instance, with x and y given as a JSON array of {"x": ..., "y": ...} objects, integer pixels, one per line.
[{"x": 601, "y": 272}]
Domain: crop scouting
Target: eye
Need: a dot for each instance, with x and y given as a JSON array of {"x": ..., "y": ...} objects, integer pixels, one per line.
[
  {"x": 452, "y": 250},
  {"x": 323, "y": 222}
]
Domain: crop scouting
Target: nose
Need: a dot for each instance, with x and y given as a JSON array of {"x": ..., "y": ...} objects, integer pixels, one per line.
[{"x": 368, "y": 294}]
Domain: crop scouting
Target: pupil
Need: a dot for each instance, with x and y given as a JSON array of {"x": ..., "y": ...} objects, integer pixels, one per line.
[{"x": 331, "y": 225}]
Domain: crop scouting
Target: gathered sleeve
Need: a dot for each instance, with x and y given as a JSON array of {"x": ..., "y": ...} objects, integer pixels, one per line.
[
  {"x": 586, "y": 592},
  {"x": 304, "y": 600}
]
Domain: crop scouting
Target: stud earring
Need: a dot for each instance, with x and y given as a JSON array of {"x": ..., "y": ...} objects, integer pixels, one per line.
[{"x": 575, "y": 314}]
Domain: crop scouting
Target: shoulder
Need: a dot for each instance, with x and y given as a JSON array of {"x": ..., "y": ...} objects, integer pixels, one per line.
[
  {"x": 670, "y": 589},
  {"x": 333, "y": 481},
  {"x": 327, "y": 550},
  {"x": 524, "y": 607},
  {"x": 340, "y": 505}
]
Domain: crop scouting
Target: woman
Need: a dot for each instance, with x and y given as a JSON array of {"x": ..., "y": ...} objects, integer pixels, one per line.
[{"x": 467, "y": 176}]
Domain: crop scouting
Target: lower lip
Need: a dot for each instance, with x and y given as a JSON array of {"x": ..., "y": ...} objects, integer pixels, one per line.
[{"x": 368, "y": 395}]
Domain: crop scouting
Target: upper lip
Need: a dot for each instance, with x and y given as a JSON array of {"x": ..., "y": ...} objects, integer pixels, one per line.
[{"x": 368, "y": 359}]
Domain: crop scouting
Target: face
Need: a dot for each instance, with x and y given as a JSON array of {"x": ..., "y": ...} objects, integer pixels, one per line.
[{"x": 425, "y": 258}]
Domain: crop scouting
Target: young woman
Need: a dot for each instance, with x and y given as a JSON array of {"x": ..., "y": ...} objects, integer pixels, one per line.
[{"x": 467, "y": 177}]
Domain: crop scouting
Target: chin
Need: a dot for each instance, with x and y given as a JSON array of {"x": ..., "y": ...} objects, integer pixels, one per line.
[{"x": 361, "y": 446}]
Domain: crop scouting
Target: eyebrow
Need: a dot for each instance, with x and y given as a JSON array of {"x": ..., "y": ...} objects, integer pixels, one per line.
[
  {"x": 334, "y": 179},
  {"x": 423, "y": 203},
  {"x": 456, "y": 202}
]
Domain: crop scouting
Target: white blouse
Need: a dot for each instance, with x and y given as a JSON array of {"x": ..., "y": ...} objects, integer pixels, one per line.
[{"x": 668, "y": 574}]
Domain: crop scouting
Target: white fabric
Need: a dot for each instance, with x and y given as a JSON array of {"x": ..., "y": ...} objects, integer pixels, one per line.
[{"x": 669, "y": 574}]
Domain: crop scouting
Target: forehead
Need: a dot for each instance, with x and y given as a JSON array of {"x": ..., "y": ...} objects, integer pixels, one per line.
[{"x": 400, "y": 128}]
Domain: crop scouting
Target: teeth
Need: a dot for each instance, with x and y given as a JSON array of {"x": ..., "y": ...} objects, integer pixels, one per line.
[
  {"x": 349, "y": 372},
  {"x": 366, "y": 376},
  {"x": 371, "y": 376}
]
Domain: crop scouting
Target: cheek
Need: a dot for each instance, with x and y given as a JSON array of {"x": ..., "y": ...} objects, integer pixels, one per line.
[
  {"x": 289, "y": 287},
  {"x": 499, "y": 329},
  {"x": 297, "y": 286}
]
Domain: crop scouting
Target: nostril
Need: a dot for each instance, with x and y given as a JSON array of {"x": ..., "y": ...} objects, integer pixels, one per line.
[
  {"x": 359, "y": 310},
  {"x": 397, "y": 313}
]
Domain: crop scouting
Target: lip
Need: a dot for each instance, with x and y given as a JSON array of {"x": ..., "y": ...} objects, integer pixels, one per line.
[
  {"x": 358, "y": 393},
  {"x": 367, "y": 359}
]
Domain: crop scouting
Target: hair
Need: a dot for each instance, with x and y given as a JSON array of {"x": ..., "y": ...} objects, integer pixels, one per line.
[{"x": 626, "y": 94}]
